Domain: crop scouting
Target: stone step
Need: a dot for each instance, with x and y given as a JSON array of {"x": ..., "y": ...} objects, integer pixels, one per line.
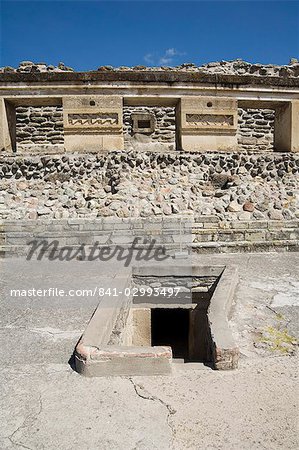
[
  {"x": 246, "y": 246},
  {"x": 211, "y": 235},
  {"x": 200, "y": 247}
]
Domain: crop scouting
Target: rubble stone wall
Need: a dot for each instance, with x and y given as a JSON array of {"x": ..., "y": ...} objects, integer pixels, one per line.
[
  {"x": 256, "y": 129},
  {"x": 44, "y": 125},
  {"x": 165, "y": 126},
  {"x": 39, "y": 125},
  {"x": 233, "y": 187}
]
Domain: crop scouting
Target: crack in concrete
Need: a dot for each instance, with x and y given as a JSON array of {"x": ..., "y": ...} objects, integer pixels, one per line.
[
  {"x": 19, "y": 317},
  {"x": 27, "y": 422},
  {"x": 248, "y": 260},
  {"x": 147, "y": 396}
]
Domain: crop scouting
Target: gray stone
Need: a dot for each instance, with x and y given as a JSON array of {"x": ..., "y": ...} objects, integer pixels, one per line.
[
  {"x": 234, "y": 206},
  {"x": 275, "y": 214}
]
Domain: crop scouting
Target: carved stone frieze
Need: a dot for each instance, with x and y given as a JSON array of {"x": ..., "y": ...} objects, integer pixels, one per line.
[
  {"x": 210, "y": 120},
  {"x": 93, "y": 119}
]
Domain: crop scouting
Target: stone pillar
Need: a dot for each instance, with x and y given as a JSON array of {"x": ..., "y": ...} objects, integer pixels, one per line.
[
  {"x": 7, "y": 126},
  {"x": 207, "y": 123},
  {"x": 93, "y": 123},
  {"x": 286, "y": 127}
]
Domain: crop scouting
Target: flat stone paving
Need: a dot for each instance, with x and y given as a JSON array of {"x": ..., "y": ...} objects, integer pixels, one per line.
[{"x": 46, "y": 405}]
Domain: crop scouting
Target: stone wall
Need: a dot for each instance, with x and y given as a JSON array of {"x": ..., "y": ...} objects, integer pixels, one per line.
[
  {"x": 39, "y": 125},
  {"x": 164, "y": 130},
  {"x": 204, "y": 234},
  {"x": 231, "y": 187},
  {"x": 44, "y": 126},
  {"x": 255, "y": 129}
]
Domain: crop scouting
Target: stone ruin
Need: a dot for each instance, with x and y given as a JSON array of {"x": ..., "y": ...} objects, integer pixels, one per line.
[
  {"x": 143, "y": 335},
  {"x": 205, "y": 159},
  {"x": 234, "y": 67},
  {"x": 219, "y": 140}
]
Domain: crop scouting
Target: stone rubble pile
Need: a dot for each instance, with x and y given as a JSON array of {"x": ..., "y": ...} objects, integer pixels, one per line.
[
  {"x": 31, "y": 67},
  {"x": 234, "y": 67},
  {"x": 240, "y": 67},
  {"x": 239, "y": 186}
]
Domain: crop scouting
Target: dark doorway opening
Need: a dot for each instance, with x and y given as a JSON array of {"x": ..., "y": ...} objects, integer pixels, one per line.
[
  {"x": 186, "y": 331},
  {"x": 171, "y": 327}
]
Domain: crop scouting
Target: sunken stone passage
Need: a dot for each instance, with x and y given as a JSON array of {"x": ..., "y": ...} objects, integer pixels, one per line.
[
  {"x": 256, "y": 129},
  {"x": 156, "y": 124},
  {"x": 238, "y": 186},
  {"x": 126, "y": 339},
  {"x": 179, "y": 307},
  {"x": 39, "y": 125}
]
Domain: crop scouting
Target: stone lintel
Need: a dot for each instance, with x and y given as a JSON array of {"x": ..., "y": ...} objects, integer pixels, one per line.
[{"x": 154, "y": 76}]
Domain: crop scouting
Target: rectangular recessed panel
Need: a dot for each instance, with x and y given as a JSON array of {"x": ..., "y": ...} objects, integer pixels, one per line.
[
  {"x": 210, "y": 120},
  {"x": 144, "y": 124}
]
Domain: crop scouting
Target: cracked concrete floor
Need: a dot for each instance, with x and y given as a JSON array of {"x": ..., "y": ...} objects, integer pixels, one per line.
[{"x": 46, "y": 405}]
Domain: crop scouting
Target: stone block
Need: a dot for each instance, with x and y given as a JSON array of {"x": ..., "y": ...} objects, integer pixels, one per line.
[
  {"x": 95, "y": 226},
  {"x": 275, "y": 224},
  {"x": 285, "y": 234},
  {"x": 261, "y": 224},
  {"x": 7, "y": 126},
  {"x": 208, "y": 124},
  {"x": 141, "y": 327},
  {"x": 205, "y": 219},
  {"x": 226, "y": 359},
  {"x": 231, "y": 236},
  {"x": 291, "y": 224},
  {"x": 211, "y": 225},
  {"x": 256, "y": 235},
  {"x": 123, "y": 361},
  {"x": 93, "y": 123},
  {"x": 153, "y": 227},
  {"x": 122, "y": 239},
  {"x": 204, "y": 237},
  {"x": 115, "y": 225},
  {"x": 196, "y": 226},
  {"x": 239, "y": 225}
]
